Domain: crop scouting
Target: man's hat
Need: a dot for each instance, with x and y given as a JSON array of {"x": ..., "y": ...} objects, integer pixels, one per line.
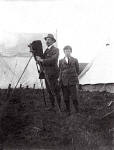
[{"x": 50, "y": 36}]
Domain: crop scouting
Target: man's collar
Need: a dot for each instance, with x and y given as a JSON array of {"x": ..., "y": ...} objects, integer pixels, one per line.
[{"x": 49, "y": 47}]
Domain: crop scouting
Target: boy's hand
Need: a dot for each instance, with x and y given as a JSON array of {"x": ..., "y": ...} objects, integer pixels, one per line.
[{"x": 59, "y": 82}]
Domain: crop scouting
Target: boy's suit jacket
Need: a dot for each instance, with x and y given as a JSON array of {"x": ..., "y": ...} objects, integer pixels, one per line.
[{"x": 69, "y": 71}]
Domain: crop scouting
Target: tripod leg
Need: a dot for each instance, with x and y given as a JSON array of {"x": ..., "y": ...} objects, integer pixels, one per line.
[
  {"x": 23, "y": 72},
  {"x": 41, "y": 82}
]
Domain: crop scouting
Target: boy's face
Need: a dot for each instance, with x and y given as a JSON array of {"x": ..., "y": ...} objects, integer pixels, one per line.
[{"x": 67, "y": 52}]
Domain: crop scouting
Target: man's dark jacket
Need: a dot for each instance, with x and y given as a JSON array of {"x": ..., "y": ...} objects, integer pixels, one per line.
[
  {"x": 50, "y": 62},
  {"x": 69, "y": 71}
]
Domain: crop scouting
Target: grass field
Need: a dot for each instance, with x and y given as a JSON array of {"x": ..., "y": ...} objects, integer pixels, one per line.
[{"x": 32, "y": 127}]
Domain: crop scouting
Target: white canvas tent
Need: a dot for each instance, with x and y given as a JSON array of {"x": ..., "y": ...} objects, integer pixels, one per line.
[
  {"x": 99, "y": 74},
  {"x": 12, "y": 68}
]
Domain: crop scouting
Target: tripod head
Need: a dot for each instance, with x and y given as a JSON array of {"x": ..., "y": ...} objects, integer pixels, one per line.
[{"x": 36, "y": 48}]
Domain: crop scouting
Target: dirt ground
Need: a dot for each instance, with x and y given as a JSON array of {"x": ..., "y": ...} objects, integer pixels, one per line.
[{"x": 33, "y": 127}]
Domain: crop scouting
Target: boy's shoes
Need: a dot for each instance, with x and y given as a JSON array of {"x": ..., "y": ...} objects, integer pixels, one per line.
[
  {"x": 64, "y": 110},
  {"x": 68, "y": 113},
  {"x": 50, "y": 109},
  {"x": 77, "y": 110}
]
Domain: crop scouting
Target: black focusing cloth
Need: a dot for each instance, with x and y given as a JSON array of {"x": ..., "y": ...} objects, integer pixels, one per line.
[{"x": 37, "y": 48}]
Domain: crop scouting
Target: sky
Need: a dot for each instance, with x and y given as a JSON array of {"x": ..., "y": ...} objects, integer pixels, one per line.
[{"x": 86, "y": 25}]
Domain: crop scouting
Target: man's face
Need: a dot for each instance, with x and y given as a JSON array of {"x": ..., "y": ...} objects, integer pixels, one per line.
[
  {"x": 67, "y": 52},
  {"x": 49, "y": 41}
]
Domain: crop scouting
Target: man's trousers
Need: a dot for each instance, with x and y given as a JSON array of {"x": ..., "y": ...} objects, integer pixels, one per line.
[{"x": 53, "y": 90}]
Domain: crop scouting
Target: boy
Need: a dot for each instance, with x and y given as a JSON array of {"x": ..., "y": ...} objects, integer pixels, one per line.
[{"x": 69, "y": 71}]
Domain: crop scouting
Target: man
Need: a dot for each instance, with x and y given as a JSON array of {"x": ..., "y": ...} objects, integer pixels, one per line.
[
  {"x": 51, "y": 70},
  {"x": 69, "y": 70}
]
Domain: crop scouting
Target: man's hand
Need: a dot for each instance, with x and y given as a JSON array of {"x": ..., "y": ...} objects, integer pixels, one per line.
[
  {"x": 39, "y": 59},
  {"x": 58, "y": 79}
]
